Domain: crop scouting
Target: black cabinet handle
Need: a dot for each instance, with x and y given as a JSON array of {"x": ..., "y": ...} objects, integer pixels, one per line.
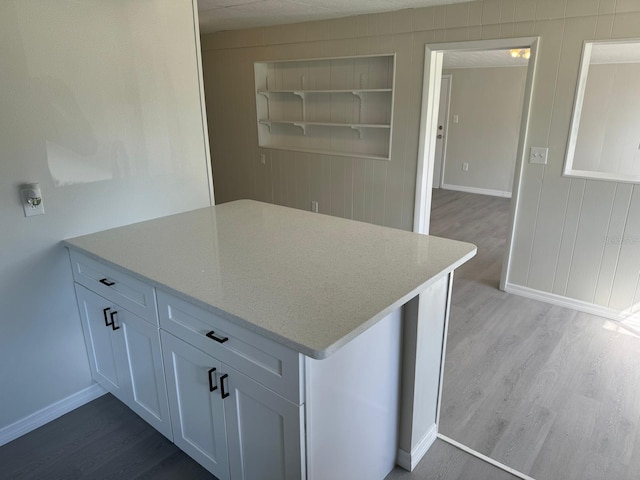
[
  {"x": 217, "y": 339},
  {"x": 106, "y": 282},
  {"x": 212, "y": 387},
  {"x": 223, "y": 393},
  {"x": 104, "y": 313},
  {"x": 112, "y": 323}
]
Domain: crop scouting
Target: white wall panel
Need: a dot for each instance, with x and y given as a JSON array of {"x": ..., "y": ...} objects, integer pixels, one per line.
[
  {"x": 569, "y": 231},
  {"x": 561, "y": 222},
  {"x": 488, "y": 102},
  {"x": 625, "y": 283},
  {"x": 101, "y": 105},
  {"x": 613, "y": 241},
  {"x": 555, "y": 188},
  {"x": 590, "y": 240}
]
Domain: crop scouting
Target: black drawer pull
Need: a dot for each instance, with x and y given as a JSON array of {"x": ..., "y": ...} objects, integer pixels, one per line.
[
  {"x": 217, "y": 339},
  {"x": 104, "y": 313},
  {"x": 212, "y": 387},
  {"x": 223, "y": 393},
  {"x": 112, "y": 323},
  {"x": 106, "y": 282}
]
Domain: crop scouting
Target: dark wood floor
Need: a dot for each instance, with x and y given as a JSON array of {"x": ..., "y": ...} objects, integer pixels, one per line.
[
  {"x": 549, "y": 391},
  {"x": 106, "y": 440},
  {"x": 103, "y": 439}
]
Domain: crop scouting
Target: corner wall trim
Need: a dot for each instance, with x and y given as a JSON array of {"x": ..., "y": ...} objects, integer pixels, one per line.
[
  {"x": 481, "y": 191},
  {"x": 408, "y": 461},
  {"x": 49, "y": 413},
  {"x": 567, "y": 302}
]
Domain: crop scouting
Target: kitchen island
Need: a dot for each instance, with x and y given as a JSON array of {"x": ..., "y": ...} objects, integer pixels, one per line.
[{"x": 269, "y": 342}]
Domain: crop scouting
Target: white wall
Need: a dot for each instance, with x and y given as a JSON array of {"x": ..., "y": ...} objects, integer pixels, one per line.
[
  {"x": 100, "y": 104},
  {"x": 573, "y": 238},
  {"x": 488, "y": 103}
]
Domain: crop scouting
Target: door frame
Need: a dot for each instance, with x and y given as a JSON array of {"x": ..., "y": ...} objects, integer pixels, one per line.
[{"x": 433, "y": 59}]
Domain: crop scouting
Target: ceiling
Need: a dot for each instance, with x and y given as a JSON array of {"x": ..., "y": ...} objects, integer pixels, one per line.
[{"x": 217, "y": 15}]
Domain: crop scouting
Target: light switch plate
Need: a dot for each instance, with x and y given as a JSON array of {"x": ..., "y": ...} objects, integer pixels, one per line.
[{"x": 538, "y": 155}]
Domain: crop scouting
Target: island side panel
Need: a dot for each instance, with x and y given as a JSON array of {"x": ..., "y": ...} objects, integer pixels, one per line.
[
  {"x": 353, "y": 399},
  {"x": 424, "y": 330}
]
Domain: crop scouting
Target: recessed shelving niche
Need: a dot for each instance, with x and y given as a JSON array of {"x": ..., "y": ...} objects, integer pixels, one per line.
[{"x": 335, "y": 106}]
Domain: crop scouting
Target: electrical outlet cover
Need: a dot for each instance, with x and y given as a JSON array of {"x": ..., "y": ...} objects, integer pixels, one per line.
[{"x": 538, "y": 155}]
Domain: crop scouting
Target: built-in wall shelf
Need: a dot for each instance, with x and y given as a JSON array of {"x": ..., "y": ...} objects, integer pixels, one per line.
[
  {"x": 352, "y": 91},
  {"x": 332, "y": 106},
  {"x": 303, "y": 125}
]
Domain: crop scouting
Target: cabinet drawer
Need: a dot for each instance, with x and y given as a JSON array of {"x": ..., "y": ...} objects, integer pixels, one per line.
[
  {"x": 115, "y": 286},
  {"x": 269, "y": 363}
]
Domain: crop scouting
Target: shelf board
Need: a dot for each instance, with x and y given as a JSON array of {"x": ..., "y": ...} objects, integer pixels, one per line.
[
  {"x": 325, "y": 124},
  {"x": 334, "y": 153},
  {"x": 354, "y": 91}
]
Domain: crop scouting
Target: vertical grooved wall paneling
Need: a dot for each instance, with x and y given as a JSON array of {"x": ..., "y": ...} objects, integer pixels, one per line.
[{"x": 573, "y": 237}]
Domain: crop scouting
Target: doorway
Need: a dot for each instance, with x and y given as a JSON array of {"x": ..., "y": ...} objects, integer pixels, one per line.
[{"x": 428, "y": 146}]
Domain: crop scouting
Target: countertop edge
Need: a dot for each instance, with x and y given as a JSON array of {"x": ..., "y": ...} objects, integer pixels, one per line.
[
  {"x": 328, "y": 351},
  {"x": 300, "y": 348}
]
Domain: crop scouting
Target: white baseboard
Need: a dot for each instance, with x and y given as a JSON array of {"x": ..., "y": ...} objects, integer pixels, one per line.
[
  {"x": 484, "y": 458},
  {"x": 407, "y": 460},
  {"x": 49, "y": 413},
  {"x": 561, "y": 301},
  {"x": 481, "y": 191}
]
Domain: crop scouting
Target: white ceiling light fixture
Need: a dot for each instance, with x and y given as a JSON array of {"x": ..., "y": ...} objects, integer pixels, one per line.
[
  {"x": 520, "y": 53},
  {"x": 482, "y": 59}
]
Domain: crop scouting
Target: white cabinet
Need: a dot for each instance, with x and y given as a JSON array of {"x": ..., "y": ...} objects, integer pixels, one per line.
[
  {"x": 196, "y": 404},
  {"x": 104, "y": 344},
  {"x": 144, "y": 372},
  {"x": 337, "y": 106},
  {"x": 264, "y": 431},
  {"x": 229, "y": 423},
  {"x": 242, "y": 405},
  {"x": 125, "y": 357}
]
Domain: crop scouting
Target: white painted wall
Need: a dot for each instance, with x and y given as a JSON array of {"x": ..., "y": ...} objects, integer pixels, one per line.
[
  {"x": 488, "y": 103},
  {"x": 100, "y": 104},
  {"x": 574, "y": 238}
]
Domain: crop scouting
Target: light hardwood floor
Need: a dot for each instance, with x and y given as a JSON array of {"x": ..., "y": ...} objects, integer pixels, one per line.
[{"x": 549, "y": 391}]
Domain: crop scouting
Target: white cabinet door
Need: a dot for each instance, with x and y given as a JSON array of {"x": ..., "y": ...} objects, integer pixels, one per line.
[
  {"x": 141, "y": 346},
  {"x": 125, "y": 357},
  {"x": 104, "y": 344},
  {"x": 263, "y": 430},
  {"x": 197, "y": 412}
]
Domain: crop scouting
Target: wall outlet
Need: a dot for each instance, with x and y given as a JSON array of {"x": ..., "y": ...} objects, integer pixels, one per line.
[
  {"x": 263, "y": 159},
  {"x": 456, "y": 119},
  {"x": 465, "y": 167},
  {"x": 314, "y": 206}
]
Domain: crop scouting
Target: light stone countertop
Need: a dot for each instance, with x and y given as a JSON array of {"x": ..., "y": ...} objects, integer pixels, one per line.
[{"x": 309, "y": 281}]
